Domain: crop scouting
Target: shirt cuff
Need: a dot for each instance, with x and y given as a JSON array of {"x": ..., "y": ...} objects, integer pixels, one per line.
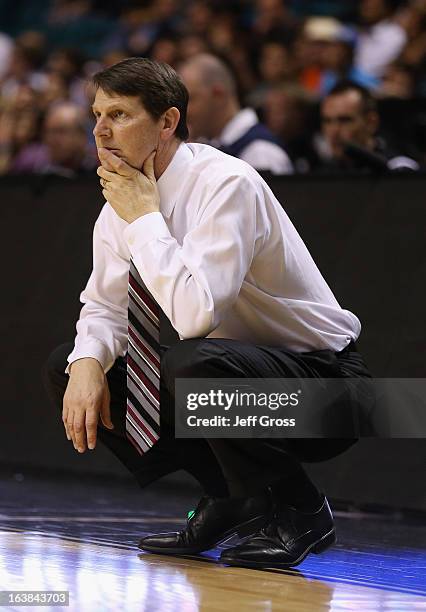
[
  {"x": 148, "y": 227},
  {"x": 95, "y": 350}
]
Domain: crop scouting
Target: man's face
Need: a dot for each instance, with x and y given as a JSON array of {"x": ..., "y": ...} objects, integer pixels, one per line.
[
  {"x": 275, "y": 62},
  {"x": 64, "y": 137},
  {"x": 201, "y": 105},
  {"x": 125, "y": 127},
  {"x": 343, "y": 120}
]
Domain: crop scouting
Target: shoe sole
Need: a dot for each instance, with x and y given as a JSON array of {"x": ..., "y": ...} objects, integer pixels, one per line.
[
  {"x": 317, "y": 547},
  {"x": 243, "y": 530}
]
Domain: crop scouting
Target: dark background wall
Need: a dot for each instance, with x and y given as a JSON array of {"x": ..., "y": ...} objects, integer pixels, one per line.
[{"x": 367, "y": 236}]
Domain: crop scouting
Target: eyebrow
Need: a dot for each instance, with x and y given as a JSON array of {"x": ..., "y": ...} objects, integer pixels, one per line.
[{"x": 113, "y": 107}]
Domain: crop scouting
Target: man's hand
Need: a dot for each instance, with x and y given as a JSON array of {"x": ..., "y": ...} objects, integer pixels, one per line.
[
  {"x": 86, "y": 397},
  {"x": 130, "y": 192}
]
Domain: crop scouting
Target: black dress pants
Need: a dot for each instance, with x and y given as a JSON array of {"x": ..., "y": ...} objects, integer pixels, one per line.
[{"x": 239, "y": 466}]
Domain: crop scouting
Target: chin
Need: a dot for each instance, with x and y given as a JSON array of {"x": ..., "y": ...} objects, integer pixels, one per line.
[
  {"x": 125, "y": 159},
  {"x": 135, "y": 165}
]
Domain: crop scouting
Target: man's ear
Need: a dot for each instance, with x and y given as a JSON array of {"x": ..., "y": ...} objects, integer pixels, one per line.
[{"x": 170, "y": 122}]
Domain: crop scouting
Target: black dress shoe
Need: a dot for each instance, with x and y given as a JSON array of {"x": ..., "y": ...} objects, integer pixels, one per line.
[
  {"x": 214, "y": 520},
  {"x": 286, "y": 540}
]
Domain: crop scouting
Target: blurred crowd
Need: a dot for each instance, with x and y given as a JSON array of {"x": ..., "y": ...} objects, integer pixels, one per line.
[{"x": 335, "y": 85}]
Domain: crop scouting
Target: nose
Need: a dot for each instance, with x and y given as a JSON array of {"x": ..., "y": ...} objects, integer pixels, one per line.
[{"x": 101, "y": 129}]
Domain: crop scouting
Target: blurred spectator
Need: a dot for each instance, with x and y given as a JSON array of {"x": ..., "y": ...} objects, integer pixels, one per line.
[
  {"x": 413, "y": 19},
  {"x": 73, "y": 24},
  {"x": 190, "y": 45},
  {"x": 132, "y": 31},
  {"x": 222, "y": 33},
  {"x": 380, "y": 38},
  {"x": 226, "y": 39},
  {"x": 65, "y": 65},
  {"x": 167, "y": 13},
  {"x": 199, "y": 16},
  {"x": 20, "y": 120},
  {"x": 274, "y": 47},
  {"x": 140, "y": 25},
  {"x": 64, "y": 150},
  {"x": 25, "y": 65},
  {"x": 273, "y": 17},
  {"x": 332, "y": 52},
  {"x": 350, "y": 124},
  {"x": 165, "y": 49},
  {"x": 215, "y": 115},
  {"x": 288, "y": 113},
  {"x": 275, "y": 66},
  {"x": 55, "y": 90},
  {"x": 6, "y": 50},
  {"x": 398, "y": 82}
]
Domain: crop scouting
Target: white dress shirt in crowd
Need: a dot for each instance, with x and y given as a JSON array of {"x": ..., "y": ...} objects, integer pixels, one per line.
[
  {"x": 261, "y": 154},
  {"x": 378, "y": 46},
  {"x": 222, "y": 259}
]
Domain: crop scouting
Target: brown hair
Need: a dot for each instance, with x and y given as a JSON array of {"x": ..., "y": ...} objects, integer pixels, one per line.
[{"x": 156, "y": 84}]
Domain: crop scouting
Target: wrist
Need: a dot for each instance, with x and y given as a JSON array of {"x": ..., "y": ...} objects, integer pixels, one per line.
[
  {"x": 146, "y": 210},
  {"x": 84, "y": 363}
]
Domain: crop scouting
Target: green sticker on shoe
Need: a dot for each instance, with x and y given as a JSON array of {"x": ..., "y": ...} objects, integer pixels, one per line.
[{"x": 190, "y": 514}]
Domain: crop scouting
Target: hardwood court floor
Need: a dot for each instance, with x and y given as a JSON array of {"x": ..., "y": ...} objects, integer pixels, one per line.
[{"x": 81, "y": 536}]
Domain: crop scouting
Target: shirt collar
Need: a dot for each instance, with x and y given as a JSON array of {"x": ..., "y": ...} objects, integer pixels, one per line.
[
  {"x": 238, "y": 126},
  {"x": 171, "y": 180}
]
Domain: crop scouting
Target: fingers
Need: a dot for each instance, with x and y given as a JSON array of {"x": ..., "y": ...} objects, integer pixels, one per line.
[
  {"x": 79, "y": 430},
  {"x": 148, "y": 166},
  {"x": 64, "y": 419},
  {"x": 82, "y": 402},
  {"x": 80, "y": 426},
  {"x": 105, "y": 174},
  {"x": 71, "y": 430},
  {"x": 104, "y": 158},
  {"x": 68, "y": 419},
  {"x": 114, "y": 164},
  {"x": 84, "y": 429},
  {"x": 105, "y": 177},
  {"x": 92, "y": 417}
]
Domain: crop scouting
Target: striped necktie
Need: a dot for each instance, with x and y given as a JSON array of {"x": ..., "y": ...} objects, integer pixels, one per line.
[{"x": 143, "y": 365}]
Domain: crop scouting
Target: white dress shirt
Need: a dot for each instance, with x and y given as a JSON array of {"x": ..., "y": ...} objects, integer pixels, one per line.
[
  {"x": 260, "y": 154},
  {"x": 222, "y": 259}
]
